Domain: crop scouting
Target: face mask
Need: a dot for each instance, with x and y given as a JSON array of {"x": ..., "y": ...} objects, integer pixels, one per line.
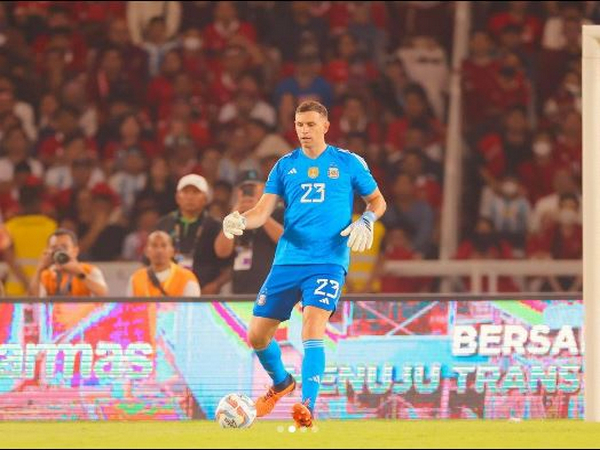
[
  {"x": 542, "y": 148},
  {"x": 192, "y": 43},
  {"x": 510, "y": 188},
  {"x": 567, "y": 217}
]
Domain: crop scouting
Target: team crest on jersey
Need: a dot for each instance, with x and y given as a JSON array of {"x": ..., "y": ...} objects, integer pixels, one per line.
[
  {"x": 333, "y": 172},
  {"x": 313, "y": 172},
  {"x": 262, "y": 299}
]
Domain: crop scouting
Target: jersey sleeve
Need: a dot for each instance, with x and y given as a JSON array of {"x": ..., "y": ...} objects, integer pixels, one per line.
[
  {"x": 362, "y": 179},
  {"x": 274, "y": 184}
]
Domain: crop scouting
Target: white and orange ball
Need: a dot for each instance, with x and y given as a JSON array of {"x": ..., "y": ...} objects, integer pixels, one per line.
[{"x": 235, "y": 411}]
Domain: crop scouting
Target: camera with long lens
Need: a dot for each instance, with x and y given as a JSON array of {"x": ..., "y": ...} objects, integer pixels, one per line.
[{"x": 60, "y": 257}]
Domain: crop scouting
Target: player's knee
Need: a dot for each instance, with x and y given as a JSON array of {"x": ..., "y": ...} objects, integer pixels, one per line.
[
  {"x": 258, "y": 341},
  {"x": 314, "y": 323}
]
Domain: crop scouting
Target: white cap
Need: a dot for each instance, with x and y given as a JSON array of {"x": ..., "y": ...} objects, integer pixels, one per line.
[{"x": 197, "y": 181}]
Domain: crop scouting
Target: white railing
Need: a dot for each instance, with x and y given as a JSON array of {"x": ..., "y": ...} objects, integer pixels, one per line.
[
  {"x": 117, "y": 273},
  {"x": 476, "y": 270}
]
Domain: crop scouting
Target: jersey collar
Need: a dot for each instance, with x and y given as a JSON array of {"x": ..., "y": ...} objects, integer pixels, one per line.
[{"x": 318, "y": 157}]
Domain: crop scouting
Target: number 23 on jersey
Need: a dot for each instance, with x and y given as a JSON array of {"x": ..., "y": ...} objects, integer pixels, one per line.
[{"x": 313, "y": 192}]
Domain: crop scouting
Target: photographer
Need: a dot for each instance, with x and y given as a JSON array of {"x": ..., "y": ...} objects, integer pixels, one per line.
[
  {"x": 60, "y": 273},
  {"x": 253, "y": 251}
]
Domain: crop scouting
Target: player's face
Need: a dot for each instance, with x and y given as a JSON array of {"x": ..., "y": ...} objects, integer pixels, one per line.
[{"x": 311, "y": 128}]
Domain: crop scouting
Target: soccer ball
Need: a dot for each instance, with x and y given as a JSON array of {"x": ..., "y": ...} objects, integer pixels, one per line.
[{"x": 235, "y": 411}]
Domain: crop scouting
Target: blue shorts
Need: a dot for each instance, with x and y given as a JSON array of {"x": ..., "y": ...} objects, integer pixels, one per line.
[{"x": 318, "y": 285}]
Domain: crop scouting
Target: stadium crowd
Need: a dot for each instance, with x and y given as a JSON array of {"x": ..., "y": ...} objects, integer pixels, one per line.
[{"x": 106, "y": 106}]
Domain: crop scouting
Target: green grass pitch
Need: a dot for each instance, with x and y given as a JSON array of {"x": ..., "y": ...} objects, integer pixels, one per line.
[{"x": 328, "y": 434}]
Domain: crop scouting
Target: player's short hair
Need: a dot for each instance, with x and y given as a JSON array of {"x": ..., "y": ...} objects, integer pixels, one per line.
[{"x": 312, "y": 105}]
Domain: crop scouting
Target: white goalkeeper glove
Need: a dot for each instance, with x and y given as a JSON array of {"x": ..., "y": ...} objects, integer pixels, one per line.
[
  {"x": 361, "y": 232},
  {"x": 234, "y": 224}
]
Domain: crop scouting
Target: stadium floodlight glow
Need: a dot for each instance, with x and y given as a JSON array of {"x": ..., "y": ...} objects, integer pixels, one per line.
[{"x": 591, "y": 218}]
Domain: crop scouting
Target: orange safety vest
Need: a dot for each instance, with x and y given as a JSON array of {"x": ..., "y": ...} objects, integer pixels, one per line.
[
  {"x": 174, "y": 285},
  {"x": 70, "y": 285},
  {"x": 67, "y": 315}
]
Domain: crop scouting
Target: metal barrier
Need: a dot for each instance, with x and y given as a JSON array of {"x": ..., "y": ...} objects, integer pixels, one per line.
[
  {"x": 247, "y": 298},
  {"x": 476, "y": 270},
  {"x": 117, "y": 273}
]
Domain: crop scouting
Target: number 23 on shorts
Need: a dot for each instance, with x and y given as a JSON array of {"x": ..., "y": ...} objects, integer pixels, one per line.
[{"x": 327, "y": 288}]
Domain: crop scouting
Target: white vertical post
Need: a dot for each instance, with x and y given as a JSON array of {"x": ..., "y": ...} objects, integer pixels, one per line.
[
  {"x": 454, "y": 142},
  {"x": 493, "y": 282},
  {"x": 591, "y": 218}
]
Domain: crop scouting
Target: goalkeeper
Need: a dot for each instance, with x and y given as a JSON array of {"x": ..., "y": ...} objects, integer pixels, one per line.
[{"x": 317, "y": 183}]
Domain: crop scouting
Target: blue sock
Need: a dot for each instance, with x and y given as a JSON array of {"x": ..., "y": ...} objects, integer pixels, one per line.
[
  {"x": 313, "y": 367},
  {"x": 270, "y": 358}
]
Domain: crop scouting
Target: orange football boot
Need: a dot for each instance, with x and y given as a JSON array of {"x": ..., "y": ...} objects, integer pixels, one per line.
[
  {"x": 302, "y": 415},
  {"x": 266, "y": 403}
]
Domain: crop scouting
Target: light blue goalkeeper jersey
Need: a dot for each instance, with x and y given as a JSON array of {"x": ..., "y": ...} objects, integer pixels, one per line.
[{"x": 318, "y": 195}]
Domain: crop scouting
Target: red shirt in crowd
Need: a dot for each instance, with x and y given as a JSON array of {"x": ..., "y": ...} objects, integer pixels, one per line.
[
  {"x": 531, "y": 27},
  {"x": 569, "y": 156},
  {"x": 503, "y": 250},
  {"x": 396, "y": 132},
  {"x": 338, "y": 15},
  {"x": 340, "y": 71},
  {"x": 340, "y": 128},
  {"x": 198, "y": 130},
  {"x": 160, "y": 96},
  {"x": 52, "y": 147},
  {"x": 77, "y": 52},
  {"x": 556, "y": 243},
  {"x": 394, "y": 283},
  {"x": 553, "y": 64},
  {"x": 506, "y": 95},
  {"x": 479, "y": 81},
  {"x": 216, "y": 39},
  {"x": 429, "y": 190},
  {"x": 538, "y": 179},
  {"x": 96, "y": 12},
  {"x": 491, "y": 149}
]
